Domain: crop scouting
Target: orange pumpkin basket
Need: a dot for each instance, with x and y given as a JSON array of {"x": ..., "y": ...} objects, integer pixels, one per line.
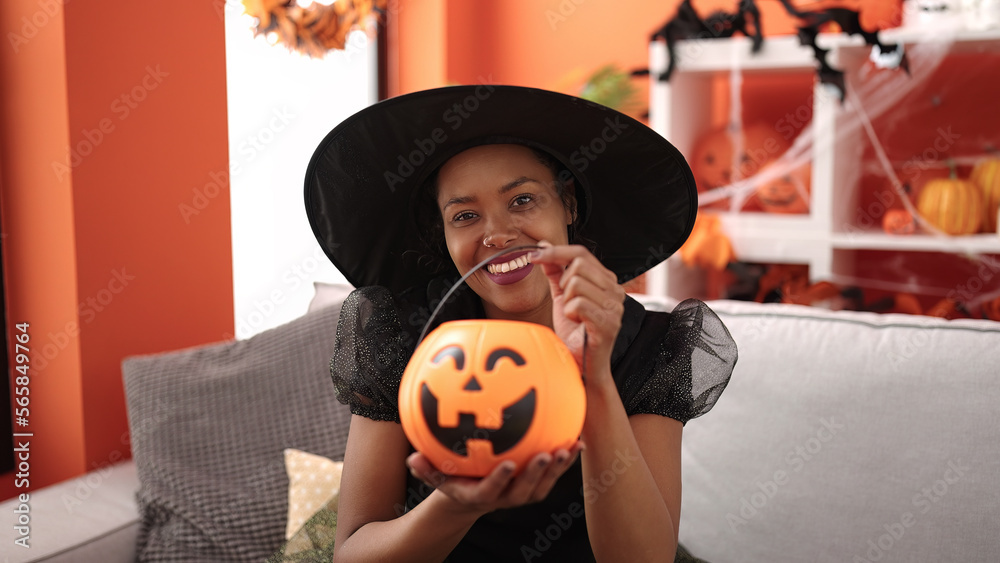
[{"x": 479, "y": 392}]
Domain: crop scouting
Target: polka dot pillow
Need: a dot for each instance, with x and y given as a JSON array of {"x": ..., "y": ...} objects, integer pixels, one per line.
[{"x": 313, "y": 481}]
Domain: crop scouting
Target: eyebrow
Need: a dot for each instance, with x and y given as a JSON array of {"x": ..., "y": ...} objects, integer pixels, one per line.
[{"x": 503, "y": 189}]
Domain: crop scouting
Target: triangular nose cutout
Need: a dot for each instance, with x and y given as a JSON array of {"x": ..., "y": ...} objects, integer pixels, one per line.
[{"x": 472, "y": 384}]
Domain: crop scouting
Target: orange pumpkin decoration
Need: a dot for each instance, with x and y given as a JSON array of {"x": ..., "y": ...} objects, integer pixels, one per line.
[
  {"x": 952, "y": 205},
  {"x": 476, "y": 393},
  {"x": 712, "y": 158},
  {"x": 788, "y": 193},
  {"x": 818, "y": 293},
  {"x": 945, "y": 309},
  {"x": 781, "y": 277},
  {"x": 907, "y": 303},
  {"x": 707, "y": 246},
  {"x": 992, "y": 309},
  {"x": 986, "y": 176},
  {"x": 898, "y": 222}
]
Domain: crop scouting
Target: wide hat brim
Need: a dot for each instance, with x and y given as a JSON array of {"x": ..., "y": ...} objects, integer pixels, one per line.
[{"x": 636, "y": 194}]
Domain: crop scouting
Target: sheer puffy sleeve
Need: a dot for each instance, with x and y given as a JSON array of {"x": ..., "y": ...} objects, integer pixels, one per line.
[
  {"x": 371, "y": 352},
  {"x": 685, "y": 361}
]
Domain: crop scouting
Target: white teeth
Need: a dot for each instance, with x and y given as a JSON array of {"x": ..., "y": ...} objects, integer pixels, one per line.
[{"x": 519, "y": 262}]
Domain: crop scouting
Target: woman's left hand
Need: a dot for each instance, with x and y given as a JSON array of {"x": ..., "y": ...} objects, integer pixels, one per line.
[{"x": 586, "y": 296}]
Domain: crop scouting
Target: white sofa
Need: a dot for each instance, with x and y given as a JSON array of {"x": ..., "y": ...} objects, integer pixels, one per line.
[{"x": 842, "y": 437}]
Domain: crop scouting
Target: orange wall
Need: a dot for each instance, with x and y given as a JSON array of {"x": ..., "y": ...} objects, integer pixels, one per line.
[
  {"x": 523, "y": 42},
  {"x": 417, "y": 46},
  {"x": 98, "y": 256},
  {"x": 39, "y": 250},
  {"x": 551, "y": 44}
]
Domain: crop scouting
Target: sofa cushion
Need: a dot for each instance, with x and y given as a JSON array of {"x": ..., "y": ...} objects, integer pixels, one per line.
[
  {"x": 848, "y": 437},
  {"x": 209, "y": 426},
  {"x": 313, "y": 482},
  {"x": 326, "y": 294},
  {"x": 92, "y": 517}
]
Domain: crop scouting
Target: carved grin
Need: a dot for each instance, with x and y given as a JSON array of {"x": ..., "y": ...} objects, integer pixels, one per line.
[
  {"x": 517, "y": 419},
  {"x": 776, "y": 201}
]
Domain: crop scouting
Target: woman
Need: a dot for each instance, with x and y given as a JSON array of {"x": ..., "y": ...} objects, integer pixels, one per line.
[{"x": 494, "y": 168}]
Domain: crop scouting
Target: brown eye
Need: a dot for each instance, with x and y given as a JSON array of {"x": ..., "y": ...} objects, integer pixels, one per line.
[{"x": 523, "y": 199}]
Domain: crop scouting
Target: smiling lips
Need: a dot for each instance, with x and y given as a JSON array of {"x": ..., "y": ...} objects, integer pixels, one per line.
[
  {"x": 509, "y": 266},
  {"x": 511, "y": 270}
]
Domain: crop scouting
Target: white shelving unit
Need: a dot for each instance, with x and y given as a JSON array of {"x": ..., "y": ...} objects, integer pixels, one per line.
[{"x": 680, "y": 111}]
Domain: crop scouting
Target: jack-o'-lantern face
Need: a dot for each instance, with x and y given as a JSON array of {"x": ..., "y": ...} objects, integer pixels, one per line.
[
  {"x": 787, "y": 193},
  {"x": 713, "y": 162},
  {"x": 476, "y": 393},
  {"x": 500, "y": 416}
]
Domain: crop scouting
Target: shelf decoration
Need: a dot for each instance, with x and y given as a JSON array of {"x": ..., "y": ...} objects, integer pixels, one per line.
[
  {"x": 688, "y": 24},
  {"x": 707, "y": 246},
  {"x": 849, "y": 21},
  {"x": 947, "y": 308},
  {"x": 787, "y": 193},
  {"x": 611, "y": 86},
  {"x": 869, "y": 155},
  {"x": 937, "y": 14},
  {"x": 952, "y": 205},
  {"x": 986, "y": 176},
  {"x": 991, "y": 309},
  {"x": 907, "y": 304},
  {"x": 313, "y": 30},
  {"x": 727, "y": 155},
  {"x": 789, "y": 283},
  {"x": 898, "y": 222}
]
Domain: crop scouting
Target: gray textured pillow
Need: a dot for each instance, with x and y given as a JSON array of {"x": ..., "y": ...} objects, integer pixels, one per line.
[
  {"x": 209, "y": 426},
  {"x": 326, "y": 294}
]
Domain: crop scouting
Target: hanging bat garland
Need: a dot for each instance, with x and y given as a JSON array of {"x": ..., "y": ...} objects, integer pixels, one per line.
[
  {"x": 687, "y": 24},
  {"x": 886, "y": 56}
]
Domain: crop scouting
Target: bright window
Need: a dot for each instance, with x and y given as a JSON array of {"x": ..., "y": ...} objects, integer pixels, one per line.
[{"x": 281, "y": 105}]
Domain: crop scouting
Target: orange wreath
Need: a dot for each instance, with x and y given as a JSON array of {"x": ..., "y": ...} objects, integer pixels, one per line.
[{"x": 315, "y": 29}]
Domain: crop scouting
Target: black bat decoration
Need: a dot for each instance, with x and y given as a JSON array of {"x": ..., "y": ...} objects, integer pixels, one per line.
[
  {"x": 850, "y": 22},
  {"x": 687, "y": 24}
]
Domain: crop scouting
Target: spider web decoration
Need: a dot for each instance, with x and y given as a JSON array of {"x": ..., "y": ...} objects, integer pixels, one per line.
[{"x": 315, "y": 29}]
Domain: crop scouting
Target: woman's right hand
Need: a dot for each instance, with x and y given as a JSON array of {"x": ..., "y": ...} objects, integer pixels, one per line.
[{"x": 501, "y": 488}]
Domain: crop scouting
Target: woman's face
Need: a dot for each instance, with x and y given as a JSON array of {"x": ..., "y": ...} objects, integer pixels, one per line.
[{"x": 495, "y": 197}]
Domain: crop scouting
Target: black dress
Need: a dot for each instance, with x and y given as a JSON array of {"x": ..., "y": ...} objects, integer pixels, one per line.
[{"x": 672, "y": 364}]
